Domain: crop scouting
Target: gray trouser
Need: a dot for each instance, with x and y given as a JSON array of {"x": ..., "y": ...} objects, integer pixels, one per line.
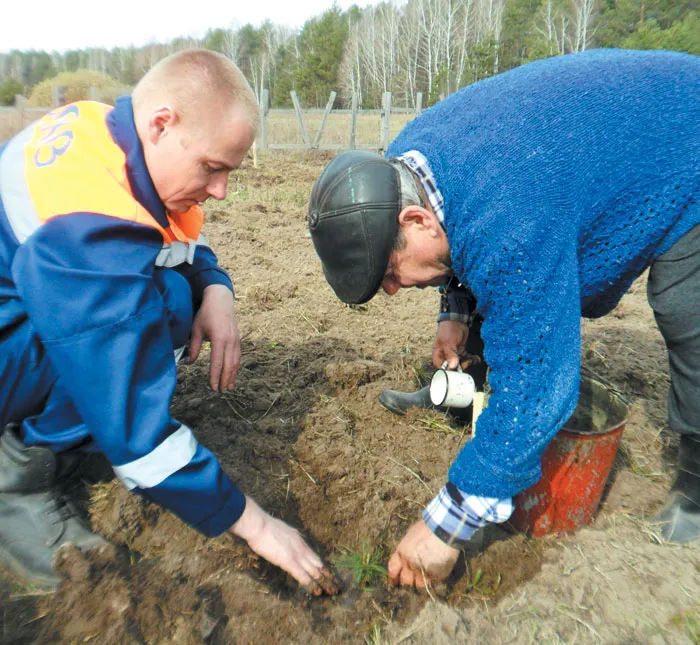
[{"x": 673, "y": 291}]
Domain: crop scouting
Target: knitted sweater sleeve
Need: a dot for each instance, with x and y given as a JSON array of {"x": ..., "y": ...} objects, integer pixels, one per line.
[{"x": 521, "y": 263}]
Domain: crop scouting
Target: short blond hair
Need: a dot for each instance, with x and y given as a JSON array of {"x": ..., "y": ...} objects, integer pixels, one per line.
[{"x": 194, "y": 81}]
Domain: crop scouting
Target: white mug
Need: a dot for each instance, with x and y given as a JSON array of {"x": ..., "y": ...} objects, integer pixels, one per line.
[{"x": 452, "y": 389}]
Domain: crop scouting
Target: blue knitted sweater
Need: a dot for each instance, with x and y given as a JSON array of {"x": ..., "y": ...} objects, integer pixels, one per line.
[{"x": 563, "y": 180}]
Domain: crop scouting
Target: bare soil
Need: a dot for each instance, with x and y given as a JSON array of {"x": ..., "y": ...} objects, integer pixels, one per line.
[{"x": 303, "y": 434}]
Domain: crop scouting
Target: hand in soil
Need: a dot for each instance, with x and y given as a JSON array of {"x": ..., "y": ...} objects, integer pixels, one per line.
[
  {"x": 421, "y": 559},
  {"x": 216, "y": 320},
  {"x": 283, "y": 546},
  {"x": 449, "y": 343},
  {"x": 329, "y": 583}
]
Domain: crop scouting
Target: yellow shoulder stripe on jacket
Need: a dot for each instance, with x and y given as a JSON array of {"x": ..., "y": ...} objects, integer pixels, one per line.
[{"x": 73, "y": 165}]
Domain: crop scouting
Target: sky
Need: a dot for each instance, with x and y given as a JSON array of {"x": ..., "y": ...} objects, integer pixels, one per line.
[{"x": 52, "y": 25}]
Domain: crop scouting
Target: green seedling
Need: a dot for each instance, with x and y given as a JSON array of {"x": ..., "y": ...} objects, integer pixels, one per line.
[
  {"x": 477, "y": 584},
  {"x": 240, "y": 194},
  {"x": 689, "y": 620},
  {"x": 365, "y": 566},
  {"x": 375, "y": 636},
  {"x": 421, "y": 375}
]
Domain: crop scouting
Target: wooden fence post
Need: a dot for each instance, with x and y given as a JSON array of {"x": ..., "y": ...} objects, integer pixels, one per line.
[
  {"x": 19, "y": 104},
  {"x": 264, "y": 109},
  {"x": 353, "y": 121},
  {"x": 300, "y": 117},
  {"x": 329, "y": 107},
  {"x": 419, "y": 102},
  {"x": 58, "y": 96},
  {"x": 385, "y": 120}
]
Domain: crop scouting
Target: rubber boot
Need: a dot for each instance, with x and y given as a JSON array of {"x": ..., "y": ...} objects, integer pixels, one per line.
[
  {"x": 399, "y": 403},
  {"x": 36, "y": 516},
  {"x": 679, "y": 520}
]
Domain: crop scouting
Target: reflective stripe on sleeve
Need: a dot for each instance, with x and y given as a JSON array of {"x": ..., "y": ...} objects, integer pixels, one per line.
[
  {"x": 166, "y": 459},
  {"x": 19, "y": 207},
  {"x": 177, "y": 253}
]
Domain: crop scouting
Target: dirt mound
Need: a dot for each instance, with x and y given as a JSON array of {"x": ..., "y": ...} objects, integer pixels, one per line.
[{"x": 354, "y": 373}]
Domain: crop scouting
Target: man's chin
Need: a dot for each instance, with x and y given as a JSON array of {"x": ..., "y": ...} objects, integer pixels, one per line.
[{"x": 178, "y": 208}]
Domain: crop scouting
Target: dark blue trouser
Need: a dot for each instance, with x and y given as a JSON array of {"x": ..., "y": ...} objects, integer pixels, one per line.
[{"x": 31, "y": 392}]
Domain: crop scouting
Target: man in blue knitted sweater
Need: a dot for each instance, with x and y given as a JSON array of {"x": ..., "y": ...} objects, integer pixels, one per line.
[{"x": 545, "y": 192}]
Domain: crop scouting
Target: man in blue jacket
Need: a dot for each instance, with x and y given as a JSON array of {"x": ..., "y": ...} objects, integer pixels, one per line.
[
  {"x": 533, "y": 198},
  {"x": 104, "y": 276}
]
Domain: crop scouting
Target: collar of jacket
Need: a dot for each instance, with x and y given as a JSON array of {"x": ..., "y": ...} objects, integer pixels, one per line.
[{"x": 120, "y": 122}]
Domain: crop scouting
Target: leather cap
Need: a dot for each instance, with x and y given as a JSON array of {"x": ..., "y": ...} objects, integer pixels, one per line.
[{"x": 353, "y": 219}]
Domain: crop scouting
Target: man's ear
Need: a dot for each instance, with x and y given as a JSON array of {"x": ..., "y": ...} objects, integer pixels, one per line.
[
  {"x": 415, "y": 215},
  {"x": 161, "y": 119}
]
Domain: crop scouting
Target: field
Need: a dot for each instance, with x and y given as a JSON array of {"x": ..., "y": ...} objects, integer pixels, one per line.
[
  {"x": 303, "y": 433},
  {"x": 282, "y": 126}
]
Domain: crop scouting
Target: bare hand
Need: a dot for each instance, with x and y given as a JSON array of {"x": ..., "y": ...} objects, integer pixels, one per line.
[
  {"x": 449, "y": 343},
  {"x": 216, "y": 320},
  {"x": 283, "y": 546},
  {"x": 421, "y": 558}
]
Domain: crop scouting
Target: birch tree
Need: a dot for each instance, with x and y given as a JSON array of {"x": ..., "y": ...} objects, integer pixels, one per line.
[
  {"x": 350, "y": 73},
  {"x": 583, "y": 13}
]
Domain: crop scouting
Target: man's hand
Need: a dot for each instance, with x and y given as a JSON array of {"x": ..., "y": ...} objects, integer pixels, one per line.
[
  {"x": 216, "y": 320},
  {"x": 283, "y": 546},
  {"x": 449, "y": 343},
  {"x": 421, "y": 558}
]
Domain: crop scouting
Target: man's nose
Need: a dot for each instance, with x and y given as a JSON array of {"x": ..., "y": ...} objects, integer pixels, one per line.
[
  {"x": 390, "y": 287},
  {"x": 218, "y": 187}
]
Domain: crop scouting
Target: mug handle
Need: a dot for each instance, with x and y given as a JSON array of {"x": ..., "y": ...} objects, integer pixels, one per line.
[{"x": 444, "y": 366}]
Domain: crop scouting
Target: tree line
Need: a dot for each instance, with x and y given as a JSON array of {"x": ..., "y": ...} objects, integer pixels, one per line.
[{"x": 429, "y": 46}]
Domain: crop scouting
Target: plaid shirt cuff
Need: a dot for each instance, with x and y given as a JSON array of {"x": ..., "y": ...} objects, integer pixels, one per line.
[
  {"x": 457, "y": 303},
  {"x": 454, "y": 516},
  {"x": 460, "y": 318}
]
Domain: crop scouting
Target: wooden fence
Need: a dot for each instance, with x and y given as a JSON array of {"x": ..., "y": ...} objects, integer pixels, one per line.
[
  {"x": 383, "y": 134},
  {"x": 13, "y": 119}
]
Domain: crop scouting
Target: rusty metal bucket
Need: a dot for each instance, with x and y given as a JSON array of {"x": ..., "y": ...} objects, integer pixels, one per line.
[{"x": 575, "y": 465}]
